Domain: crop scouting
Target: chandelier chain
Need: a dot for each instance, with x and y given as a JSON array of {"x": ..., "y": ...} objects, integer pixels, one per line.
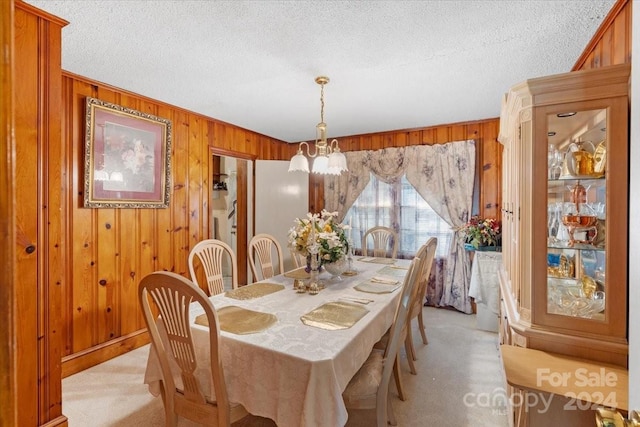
[{"x": 322, "y": 103}]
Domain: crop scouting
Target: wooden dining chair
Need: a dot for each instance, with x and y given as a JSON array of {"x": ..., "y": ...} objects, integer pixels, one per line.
[
  {"x": 171, "y": 295},
  {"x": 426, "y": 253},
  {"x": 211, "y": 253},
  {"x": 369, "y": 387},
  {"x": 299, "y": 260},
  {"x": 384, "y": 239},
  {"x": 262, "y": 250}
]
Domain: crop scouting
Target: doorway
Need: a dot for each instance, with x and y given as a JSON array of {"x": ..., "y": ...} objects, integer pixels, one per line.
[{"x": 229, "y": 207}]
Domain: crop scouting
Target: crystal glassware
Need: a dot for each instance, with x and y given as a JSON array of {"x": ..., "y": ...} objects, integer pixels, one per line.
[{"x": 350, "y": 267}]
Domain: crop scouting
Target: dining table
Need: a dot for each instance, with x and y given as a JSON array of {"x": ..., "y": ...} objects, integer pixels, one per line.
[{"x": 292, "y": 362}]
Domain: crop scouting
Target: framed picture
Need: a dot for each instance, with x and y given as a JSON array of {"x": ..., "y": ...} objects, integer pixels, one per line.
[{"x": 127, "y": 158}]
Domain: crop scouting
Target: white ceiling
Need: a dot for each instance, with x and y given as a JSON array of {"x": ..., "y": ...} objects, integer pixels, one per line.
[{"x": 392, "y": 64}]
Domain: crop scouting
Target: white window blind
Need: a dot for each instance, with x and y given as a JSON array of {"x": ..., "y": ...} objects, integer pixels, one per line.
[{"x": 384, "y": 204}]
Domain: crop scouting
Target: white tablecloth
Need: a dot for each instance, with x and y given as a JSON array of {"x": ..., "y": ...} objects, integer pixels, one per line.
[
  {"x": 293, "y": 373},
  {"x": 485, "y": 287}
]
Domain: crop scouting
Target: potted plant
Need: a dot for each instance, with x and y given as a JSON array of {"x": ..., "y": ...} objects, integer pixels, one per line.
[{"x": 482, "y": 234}]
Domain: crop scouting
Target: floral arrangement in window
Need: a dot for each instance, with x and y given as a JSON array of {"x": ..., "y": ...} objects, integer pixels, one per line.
[
  {"x": 482, "y": 232},
  {"x": 328, "y": 233}
]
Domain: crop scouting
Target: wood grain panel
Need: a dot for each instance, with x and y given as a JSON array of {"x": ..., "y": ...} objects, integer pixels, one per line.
[
  {"x": 491, "y": 172},
  {"x": 611, "y": 44},
  {"x": 79, "y": 285},
  {"x": 197, "y": 163},
  {"x": 9, "y": 399},
  {"x": 53, "y": 241},
  {"x": 128, "y": 259},
  {"x": 26, "y": 179},
  {"x": 180, "y": 192},
  {"x": 40, "y": 230}
]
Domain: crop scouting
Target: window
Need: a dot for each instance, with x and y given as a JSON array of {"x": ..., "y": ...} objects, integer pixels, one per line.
[{"x": 384, "y": 204}]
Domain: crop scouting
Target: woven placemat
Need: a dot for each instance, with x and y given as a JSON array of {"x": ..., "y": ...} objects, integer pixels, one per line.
[
  {"x": 240, "y": 321},
  {"x": 377, "y": 260},
  {"x": 298, "y": 273},
  {"x": 334, "y": 315},
  {"x": 255, "y": 290},
  {"x": 376, "y": 288},
  {"x": 393, "y": 271}
]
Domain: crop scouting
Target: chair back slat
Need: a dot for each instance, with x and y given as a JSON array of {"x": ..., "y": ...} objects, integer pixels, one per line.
[
  {"x": 211, "y": 253},
  {"x": 385, "y": 242},
  {"x": 261, "y": 252},
  {"x": 426, "y": 253}
]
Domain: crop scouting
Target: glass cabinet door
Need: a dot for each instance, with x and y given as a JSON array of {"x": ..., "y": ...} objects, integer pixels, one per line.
[{"x": 576, "y": 214}]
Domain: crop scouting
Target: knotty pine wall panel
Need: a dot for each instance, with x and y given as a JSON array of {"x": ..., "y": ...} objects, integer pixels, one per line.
[
  {"x": 611, "y": 44},
  {"x": 39, "y": 256},
  {"x": 27, "y": 209},
  {"x": 112, "y": 249}
]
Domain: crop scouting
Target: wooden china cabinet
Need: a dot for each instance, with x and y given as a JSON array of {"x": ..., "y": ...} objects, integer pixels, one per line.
[{"x": 565, "y": 217}]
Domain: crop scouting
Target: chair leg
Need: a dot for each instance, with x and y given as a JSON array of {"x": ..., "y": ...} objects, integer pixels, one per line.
[
  {"x": 390, "y": 414},
  {"x": 411, "y": 353},
  {"x": 398, "y": 378},
  {"x": 422, "y": 329},
  {"x": 412, "y": 348},
  {"x": 171, "y": 418}
]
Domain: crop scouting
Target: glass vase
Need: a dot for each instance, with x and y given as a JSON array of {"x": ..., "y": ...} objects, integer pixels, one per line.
[{"x": 336, "y": 268}]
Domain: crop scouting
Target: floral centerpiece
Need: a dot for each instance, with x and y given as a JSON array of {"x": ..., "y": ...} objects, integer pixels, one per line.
[
  {"x": 479, "y": 232},
  {"x": 328, "y": 233}
]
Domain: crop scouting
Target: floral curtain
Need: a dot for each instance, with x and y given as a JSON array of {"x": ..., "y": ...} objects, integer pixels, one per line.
[
  {"x": 442, "y": 174},
  {"x": 435, "y": 285},
  {"x": 340, "y": 191},
  {"x": 388, "y": 164}
]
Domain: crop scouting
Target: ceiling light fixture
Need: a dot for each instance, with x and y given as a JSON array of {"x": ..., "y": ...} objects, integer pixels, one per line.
[{"x": 328, "y": 158}]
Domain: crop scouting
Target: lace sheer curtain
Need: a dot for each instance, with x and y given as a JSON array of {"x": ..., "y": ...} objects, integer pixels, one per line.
[{"x": 443, "y": 175}]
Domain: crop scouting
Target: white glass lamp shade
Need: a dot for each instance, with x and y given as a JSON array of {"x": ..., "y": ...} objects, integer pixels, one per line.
[
  {"x": 337, "y": 162},
  {"x": 321, "y": 165},
  {"x": 299, "y": 163}
]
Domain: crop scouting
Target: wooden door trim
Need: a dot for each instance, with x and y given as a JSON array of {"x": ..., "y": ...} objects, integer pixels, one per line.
[{"x": 8, "y": 352}]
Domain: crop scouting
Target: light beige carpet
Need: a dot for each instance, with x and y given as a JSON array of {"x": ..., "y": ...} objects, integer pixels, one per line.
[{"x": 459, "y": 383}]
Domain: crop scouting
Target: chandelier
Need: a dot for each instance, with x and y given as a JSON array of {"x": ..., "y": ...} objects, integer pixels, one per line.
[{"x": 328, "y": 158}]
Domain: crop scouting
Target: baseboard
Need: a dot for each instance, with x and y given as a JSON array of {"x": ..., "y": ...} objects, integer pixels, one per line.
[
  {"x": 60, "y": 421},
  {"x": 85, "y": 359}
]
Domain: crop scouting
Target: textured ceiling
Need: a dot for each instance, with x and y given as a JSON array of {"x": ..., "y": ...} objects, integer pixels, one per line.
[{"x": 392, "y": 65}]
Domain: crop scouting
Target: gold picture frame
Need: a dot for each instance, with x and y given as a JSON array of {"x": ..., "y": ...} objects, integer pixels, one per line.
[{"x": 127, "y": 157}]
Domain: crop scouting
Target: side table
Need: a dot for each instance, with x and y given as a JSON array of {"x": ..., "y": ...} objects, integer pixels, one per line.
[{"x": 484, "y": 288}]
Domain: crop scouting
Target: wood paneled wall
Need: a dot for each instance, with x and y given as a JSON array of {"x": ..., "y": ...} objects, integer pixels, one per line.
[
  {"x": 488, "y": 156},
  {"x": 611, "y": 44},
  {"x": 8, "y": 284},
  {"x": 110, "y": 250},
  {"x": 39, "y": 215}
]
